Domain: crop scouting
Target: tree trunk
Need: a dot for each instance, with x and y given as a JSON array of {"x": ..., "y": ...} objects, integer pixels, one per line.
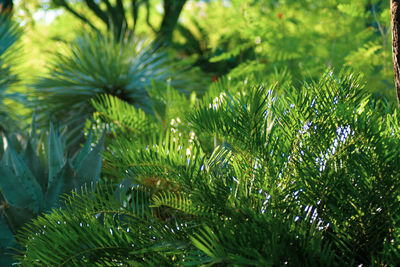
[
  {"x": 395, "y": 19},
  {"x": 172, "y": 10}
]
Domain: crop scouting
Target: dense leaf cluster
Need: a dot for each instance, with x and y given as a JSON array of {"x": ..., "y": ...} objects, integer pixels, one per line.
[
  {"x": 265, "y": 168},
  {"x": 309, "y": 177}
]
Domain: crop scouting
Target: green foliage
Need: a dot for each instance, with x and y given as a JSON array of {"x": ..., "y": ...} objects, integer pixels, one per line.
[
  {"x": 118, "y": 226},
  {"x": 125, "y": 122},
  {"x": 9, "y": 34},
  {"x": 121, "y": 18},
  {"x": 308, "y": 178},
  {"x": 32, "y": 179},
  {"x": 280, "y": 163},
  {"x": 304, "y": 37},
  {"x": 98, "y": 65},
  {"x": 121, "y": 119}
]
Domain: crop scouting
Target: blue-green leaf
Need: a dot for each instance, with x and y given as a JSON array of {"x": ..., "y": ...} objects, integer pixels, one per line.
[
  {"x": 64, "y": 182},
  {"x": 15, "y": 189},
  {"x": 6, "y": 241},
  {"x": 6, "y": 236},
  {"x": 56, "y": 154},
  {"x": 84, "y": 151},
  {"x": 90, "y": 168},
  {"x": 35, "y": 165},
  {"x": 26, "y": 179}
]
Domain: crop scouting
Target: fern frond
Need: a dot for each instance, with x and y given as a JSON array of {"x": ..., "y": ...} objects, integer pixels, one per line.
[
  {"x": 99, "y": 229},
  {"x": 112, "y": 110},
  {"x": 181, "y": 202},
  {"x": 169, "y": 162}
]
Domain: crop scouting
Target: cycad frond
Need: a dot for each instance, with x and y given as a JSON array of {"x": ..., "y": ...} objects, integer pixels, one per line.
[
  {"x": 327, "y": 147},
  {"x": 264, "y": 241},
  {"x": 181, "y": 202},
  {"x": 122, "y": 118},
  {"x": 102, "y": 228},
  {"x": 245, "y": 121},
  {"x": 164, "y": 163},
  {"x": 307, "y": 179}
]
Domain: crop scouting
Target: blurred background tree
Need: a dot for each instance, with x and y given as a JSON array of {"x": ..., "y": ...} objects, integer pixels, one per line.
[
  {"x": 265, "y": 41},
  {"x": 121, "y": 17},
  {"x": 239, "y": 38},
  {"x": 302, "y": 38}
]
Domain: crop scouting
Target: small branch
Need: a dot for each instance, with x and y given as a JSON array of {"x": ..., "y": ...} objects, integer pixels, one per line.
[
  {"x": 377, "y": 21},
  {"x": 109, "y": 6},
  {"x": 148, "y": 17},
  {"x": 134, "y": 13},
  {"x": 117, "y": 21},
  {"x": 110, "y": 10},
  {"x": 79, "y": 16},
  {"x": 172, "y": 10},
  {"x": 120, "y": 8},
  {"x": 97, "y": 11},
  {"x": 121, "y": 18}
]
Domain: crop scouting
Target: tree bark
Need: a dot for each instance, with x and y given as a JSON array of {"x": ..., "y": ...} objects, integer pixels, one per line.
[
  {"x": 395, "y": 20},
  {"x": 114, "y": 16},
  {"x": 172, "y": 10}
]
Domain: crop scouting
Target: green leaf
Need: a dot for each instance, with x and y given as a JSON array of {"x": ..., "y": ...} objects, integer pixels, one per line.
[
  {"x": 85, "y": 150},
  {"x": 6, "y": 159},
  {"x": 16, "y": 189},
  {"x": 56, "y": 154},
  {"x": 232, "y": 53},
  {"x": 35, "y": 165},
  {"x": 33, "y": 137},
  {"x": 6, "y": 236},
  {"x": 90, "y": 168},
  {"x": 95, "y": 65},
  {"x": 16, "y": 217},
  {"x": 6, "y": 241},
  {"x": 27, "y": 181},
  {"x": 65, "y": 181}
]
